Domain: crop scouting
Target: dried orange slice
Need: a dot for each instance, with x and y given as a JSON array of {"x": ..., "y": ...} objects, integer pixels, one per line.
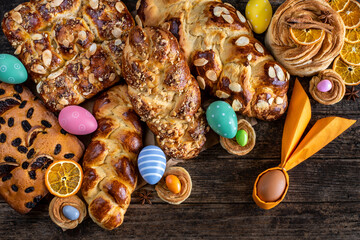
[
  {"x": 352, "y": 35},
  {"x": 338, "y": 5},
  {"x": 64, "y": 178},
  {"x": 350, "y": 53},
  {"x": 351, "y": 15},
  {"x": 307, "y": 36},
  {"x": 349, "y": 73}
]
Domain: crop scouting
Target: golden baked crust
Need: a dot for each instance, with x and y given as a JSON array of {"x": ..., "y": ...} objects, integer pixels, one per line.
[
  {"x": 71, "y": 48},
  {"x": 305, "y": 60},
  {"x": 30, "y": 140},
  {"x": 163, "y": 92},
  {"x": 219, "y": 46},
  {"x": 110, "y": 173}
]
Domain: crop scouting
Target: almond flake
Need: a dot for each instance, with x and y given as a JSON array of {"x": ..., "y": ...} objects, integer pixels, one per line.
[
  {"x": 287, "y": 76},
  {"x": 201, "y": 82},
  {"x": 112, "y": 77},
  {"x": 118, "y": 42},
  {"x": 235, "y": 87},
  {"x": 18, "y": 50},
  {"x": 63, "y": 101},
  {"x": 92, "y": 49},
  {"x": 262, "y": 104},
  {"x": 229, "y": 5},
  {"x": 250, "y": 24},
  {"x": 38, "y": 86},
  {"x": 241, "y": 17},
  {"x": 271, "y": 100},
  {"x": 55, "y": 74},
  {"x": 116, "y": 32},
  {"x": 211, "y": 75},
  {"x": 92, "y": 78},
  {"x": 66, "y": 43},
  {"x": 37, "y": 37},
  {"x": 221, "y": 94},
  {"x": 56, "y": 3},
  {"x": 82, "y": 35},
  {"x": 259, "y": 48},
  {"x": 279, "y": 100},
  {"x": 16, "y": 16},
  {"x": 236, "y": 105},
  {"x": 218, "y": 11},
  {"x": 138, "y": 21},
  {"x": 94, "y": 4},
  {"x": 87, "y": 68},
  {"x": 85, "y": 62},
  {"x": 279, "y": 73},
  {"x": 225, "y": 11},
  {"x": 119, "y": 7},
  {"x": 18, "y": 7},
  {"x": 200, "y": 62},
  {"x": 271, "y": 72},
  {"x": 38, "y": 69},
  {"x": 47, "y": 57},
  {"x": 242, "y": 41},
  {"x": 228, "y": 18},
  {"x": 138, "y": 5}
]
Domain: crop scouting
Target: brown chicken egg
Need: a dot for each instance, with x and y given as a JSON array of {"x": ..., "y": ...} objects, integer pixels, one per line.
[{"x": 271, "y": 186}]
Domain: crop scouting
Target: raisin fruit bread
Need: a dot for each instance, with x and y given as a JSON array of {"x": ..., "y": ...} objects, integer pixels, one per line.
[
  {"x": 71, "y": 48},
  {"x": 30, "y": 140},
  {"x": 163, "y": 92},
  {"x": 223, "y": 54},
  {"x": 110, "y": 169}
]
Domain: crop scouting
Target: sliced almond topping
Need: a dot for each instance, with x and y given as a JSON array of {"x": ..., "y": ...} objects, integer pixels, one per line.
[
  {"x": 250, "y": 25},
  {"x": 116, "y": 32},
  {"x": 259, "y": 48},
  {"x": 271, "y": 100},
  {"x": 16, "y": 16},
  {"x": 118, "y": 42},
  {"x": 38, "y": 86},
  {"x": 235, "y": 87},
  {"x": 63, "y": 101},
  {"x": 279, "y": 100},
  {"x": 18, "y": 7},
  {"x": 119, "y": 7},
  {"x": 94, "y": 4},
  {"x": 87, "y": 68},
  {"x": 221, "y": 94},
  {"x": 66, "y": 43},
  {"x": 249, "y": 57},
  {"x": 92, "y": 78},
  {"x": 37, "y": 37},
  {"x": 18, "y": 50},
  {"x": 237, "y": 105},
  {"x": 279, "y": 72},
  {"x": 224, "y": 9},
  {"x": 271, "y": 72},
  {"x": 92, "y": 49},
  {"x": 241, "y": 17},
  {"x": 138, "y": 5},
  {"x": 262, "y": 104},
  {"x": 56, "y": 3},
  {"x": 112, "y": 77},
  {"x": 201, "y": 82},
  {"x": 55, "y": 74},
  {"x": 242, "y": 41},
  {"x": 211, "y": 75},
  {"x": 218, "y": 11},
  {"x": 47, "y": 57},
  {"x": 200, "y": 62},
  {"x": 82, "y": 35},
  {"x": 85, "y": 62},
  {"x": 228, "y": 18},
  {"x": 138, "y": 21},
  {"x": 37, "y": 68},
  {"x": 287, "y": 76}
]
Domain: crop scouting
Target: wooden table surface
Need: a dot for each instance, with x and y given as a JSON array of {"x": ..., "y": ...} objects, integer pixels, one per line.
[{"x": 323, "y": 201}]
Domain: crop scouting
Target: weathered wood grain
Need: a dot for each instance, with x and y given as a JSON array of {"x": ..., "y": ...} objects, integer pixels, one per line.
[{"x": 323, "y": 200}]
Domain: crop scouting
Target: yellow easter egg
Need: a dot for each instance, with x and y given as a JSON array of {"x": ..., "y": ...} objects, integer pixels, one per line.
[{"x": 259, "y": 13}]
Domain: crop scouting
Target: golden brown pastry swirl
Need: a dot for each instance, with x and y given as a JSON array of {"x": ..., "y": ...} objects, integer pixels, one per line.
[
  {"x": 305, "y": 60},
  {"x": 337, "y": 91}
]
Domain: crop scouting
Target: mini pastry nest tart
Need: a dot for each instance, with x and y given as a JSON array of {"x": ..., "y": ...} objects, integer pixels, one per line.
[
  {"x": 186, "y": 185},
  {"x": 233, "y": 147},
  {"x": 57, "y": 216},
  {"x": 337, "y": 91}
]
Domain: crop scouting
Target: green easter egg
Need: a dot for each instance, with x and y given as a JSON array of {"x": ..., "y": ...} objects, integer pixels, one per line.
[
  {"x": 222, "y": 119},
  {"x": 242, "y": 137},
  {"x": 12, "y": 70}
]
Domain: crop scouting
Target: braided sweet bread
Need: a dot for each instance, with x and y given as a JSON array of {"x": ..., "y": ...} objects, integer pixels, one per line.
[
  {"x": 228, "y": 61},
  {"x": 163, "y": 92},
  {"x": 71, "y": 48},
  {"x": 110, "y": 174}
]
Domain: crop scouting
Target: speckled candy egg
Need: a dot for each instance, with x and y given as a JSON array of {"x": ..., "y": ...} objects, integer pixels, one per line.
[
  {"x": 259, "y": 13},
  {"x": 77, "y": 120},
  {"x": 12, "y": 70},
  {"x": 152, "y": 164},
  {"x": 222, "y": 119},
  {"x": 70, "y": 212}
]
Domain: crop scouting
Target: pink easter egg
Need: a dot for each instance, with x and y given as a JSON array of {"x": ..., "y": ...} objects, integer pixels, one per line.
[
  {"x": 324, "y": 85},
  {"x": 77, "y": 120}
]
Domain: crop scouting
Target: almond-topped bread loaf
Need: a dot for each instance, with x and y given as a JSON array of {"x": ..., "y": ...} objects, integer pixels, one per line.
[
  {"x": 71, "y": 48},
  {"x": 227, "y": 60},
  {"x": 110, "y": 169},
  {"x": 163, "y": 92},
  {"x": 30, "y": 140}
]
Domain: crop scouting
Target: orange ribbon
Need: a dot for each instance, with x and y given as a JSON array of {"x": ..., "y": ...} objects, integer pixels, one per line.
[{"x": 293, "y": 153}]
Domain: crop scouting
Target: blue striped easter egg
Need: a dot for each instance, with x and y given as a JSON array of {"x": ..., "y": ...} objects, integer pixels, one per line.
[{"x": 152, "y": 164}]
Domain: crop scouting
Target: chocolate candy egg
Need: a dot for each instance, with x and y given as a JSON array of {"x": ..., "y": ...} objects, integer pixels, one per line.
[
  {"x": 271, "y": 186},
  {"x": 259, "y": 13},
  {"x": 12, "y": 70},
  {"x": 222, "y": 119},
  {"x": 77, "y": 120},
  {"x": 152, "y": 164},
  {"x": 70, "y": 212},
  {"x": 324, "y": 85}
]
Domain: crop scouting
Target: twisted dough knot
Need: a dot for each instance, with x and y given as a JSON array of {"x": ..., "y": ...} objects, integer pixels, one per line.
[
  {"x": 228, "y": 61},
  {"x": 305, "y": 60},
  {"x": 163, "y": 92},
  {"x": 71, "y": 48}
]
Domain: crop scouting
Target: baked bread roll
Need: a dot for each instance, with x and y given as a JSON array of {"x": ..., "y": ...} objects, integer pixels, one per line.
[
  {"x": 30, "y": 140},
  {"x": 305, "y": 60},
  {"x": 227, "y": 60},
  {"x": 110, "y": 173},
  {"x": 71, "y": 48},
  {"x": 163, "y": 92}
]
